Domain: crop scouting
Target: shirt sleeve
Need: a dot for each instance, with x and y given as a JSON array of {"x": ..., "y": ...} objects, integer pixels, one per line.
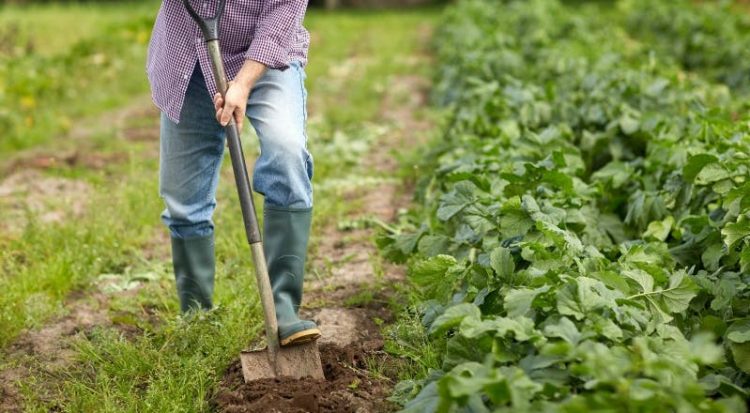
[{"x": 275, "y": 33}]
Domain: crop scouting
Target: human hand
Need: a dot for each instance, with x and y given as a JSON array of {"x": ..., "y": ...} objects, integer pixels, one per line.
[
  {"x": 233, "y": 103},
  {"x": 238, "y": 92}
]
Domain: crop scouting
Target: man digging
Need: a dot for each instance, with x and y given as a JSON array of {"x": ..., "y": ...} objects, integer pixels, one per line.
[{"x": 264, "y": 48}]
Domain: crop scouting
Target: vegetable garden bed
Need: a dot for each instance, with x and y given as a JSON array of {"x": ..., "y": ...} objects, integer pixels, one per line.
[{"x": 584, "y": 237}]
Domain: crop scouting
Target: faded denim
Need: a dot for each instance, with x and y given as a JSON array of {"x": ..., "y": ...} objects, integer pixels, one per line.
[{"x": 192, "y": 150}]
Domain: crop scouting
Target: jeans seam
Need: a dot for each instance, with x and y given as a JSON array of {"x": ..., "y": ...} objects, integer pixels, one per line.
[
  {"x": 303, "y": 92},
  {"x": 304, "y": 102}
]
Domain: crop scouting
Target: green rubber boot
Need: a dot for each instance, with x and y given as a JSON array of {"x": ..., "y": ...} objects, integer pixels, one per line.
[
  {"x": 194, "y": 266},
  {"x": 285, "y": 235}
]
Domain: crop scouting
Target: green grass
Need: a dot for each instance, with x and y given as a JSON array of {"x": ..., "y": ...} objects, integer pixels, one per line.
[
  {"x": 53, "y": 28},
  {"x": 171, "y": 364},
  {"x": 60, "y": 63}
]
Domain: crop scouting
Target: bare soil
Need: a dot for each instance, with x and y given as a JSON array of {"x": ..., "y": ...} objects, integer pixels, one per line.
[
  {"x": 29, "y": 193},
  {"x": 348, "y": 386},
  {"x": 73, "y": 158}
]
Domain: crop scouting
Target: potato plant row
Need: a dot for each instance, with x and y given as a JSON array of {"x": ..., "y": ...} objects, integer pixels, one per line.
[{"x": 583, "y": 239}]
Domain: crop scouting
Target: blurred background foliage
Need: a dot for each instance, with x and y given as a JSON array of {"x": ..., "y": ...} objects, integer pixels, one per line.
[{"x": 52, "y": 72}]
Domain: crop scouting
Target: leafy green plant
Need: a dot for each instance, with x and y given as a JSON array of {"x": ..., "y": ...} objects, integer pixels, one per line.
[
  {"x": 708, "y": 37},
  {"x": 583, "y": 243}
]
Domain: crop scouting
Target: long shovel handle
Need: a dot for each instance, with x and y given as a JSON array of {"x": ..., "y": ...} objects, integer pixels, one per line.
[{"x": 210, "y": 29}]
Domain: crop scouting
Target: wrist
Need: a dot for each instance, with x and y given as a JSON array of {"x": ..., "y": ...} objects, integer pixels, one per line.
[{"x": 250, "y": 72}]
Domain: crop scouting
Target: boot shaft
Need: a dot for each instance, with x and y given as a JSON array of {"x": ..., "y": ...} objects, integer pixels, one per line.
[
  {"x": 194, "y": 269},
  {"x": 285, "y": 240}
]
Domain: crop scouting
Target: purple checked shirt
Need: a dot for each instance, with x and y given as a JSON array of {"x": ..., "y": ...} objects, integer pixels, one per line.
[{"x": 267, "y": 31}]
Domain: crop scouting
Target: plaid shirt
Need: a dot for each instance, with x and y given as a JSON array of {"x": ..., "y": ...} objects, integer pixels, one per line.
[{"x": 267, "y": 31}]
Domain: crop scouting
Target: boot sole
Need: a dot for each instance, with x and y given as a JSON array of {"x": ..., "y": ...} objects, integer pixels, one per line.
[{"x": 301, "y": 337}]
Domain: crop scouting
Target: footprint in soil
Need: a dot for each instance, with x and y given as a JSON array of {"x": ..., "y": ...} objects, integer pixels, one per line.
[{"x": 348, "y": 387}]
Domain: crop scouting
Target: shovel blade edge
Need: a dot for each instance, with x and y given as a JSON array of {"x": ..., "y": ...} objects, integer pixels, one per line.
[{"x": 297, "y": 362}]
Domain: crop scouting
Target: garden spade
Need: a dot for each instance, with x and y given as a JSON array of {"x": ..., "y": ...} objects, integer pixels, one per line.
[{"x": 302, "y": 360}]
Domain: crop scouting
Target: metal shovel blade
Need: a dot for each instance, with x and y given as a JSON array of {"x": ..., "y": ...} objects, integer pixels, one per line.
[{"x": 298, "y": 361}]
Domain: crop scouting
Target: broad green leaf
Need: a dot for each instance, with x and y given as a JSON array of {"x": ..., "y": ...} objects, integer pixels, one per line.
[
  {"x": 427, "y": 400},
  {"x": 712, "y": 255},
  {"x": 613, "y": 280},
  {"x": 659, "y": 229},
  {"x": 711, "y": 173},
  {"x": 517, "y": 302},
  {"x": 406, "y": 243},
  {"x": 644, "y": 279},
  {"x": 741, "y": 355},
  {"x": 464, "y": 380},
  {"x": 673, "y": 299},
  {"x": 612, "y": 224},
  {"x": 453, "y": 202},
  {"x": 745, "y": 259},
  {"x": 510, "y": 128},
  {"x": 696, "y": 164},
  {"x": 522, "y": 388},
  {"x": 739, "y": 331},
  {"x": 521, "y": 327},
  {"x": 680, "y": 292},
  {"x": 601, "y": 363},
  {"x": 434, "y": 275},
  {"x": 607, "y": 328},
  {"x": 513, "y": 219},
  {"x": 565, "y": 329},
  {"x": 583, "y": 295},
  {"x": 460, "y": 349},
  {"x": 736, "y": 231},
  {"x": 593, "y": 294},
  {"x": 643, "y": 389},
  {"x": 629, "y": 124},
  {"x": 502, "y": 262},
  {"x": 453, "y": 316},
  {"x": 705, "y": 350},
  {"x": 567, "y": 302},
  {"x": 562, "y": 237},
  {"x": 616, "y": 172},
  {"x": 433, "y": 245}
]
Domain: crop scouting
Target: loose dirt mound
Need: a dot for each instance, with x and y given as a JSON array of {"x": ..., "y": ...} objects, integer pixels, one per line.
[{"x": 348, "y": 387}]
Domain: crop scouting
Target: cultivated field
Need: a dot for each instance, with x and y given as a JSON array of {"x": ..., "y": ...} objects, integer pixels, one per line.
[{"x": 520, "y": 206}]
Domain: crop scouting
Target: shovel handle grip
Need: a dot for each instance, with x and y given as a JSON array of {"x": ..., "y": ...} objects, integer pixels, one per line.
[{"x": 209, "y": 26}]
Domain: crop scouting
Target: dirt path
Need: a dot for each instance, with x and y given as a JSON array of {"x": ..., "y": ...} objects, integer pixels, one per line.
[{"x": 351, "y": 341}]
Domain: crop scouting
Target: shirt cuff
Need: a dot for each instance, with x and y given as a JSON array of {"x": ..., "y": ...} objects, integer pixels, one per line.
[{"x": 269, "y": 53}]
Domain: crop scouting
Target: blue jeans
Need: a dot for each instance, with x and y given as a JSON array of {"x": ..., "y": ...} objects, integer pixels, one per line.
[{"x": 191, "y": 151}]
